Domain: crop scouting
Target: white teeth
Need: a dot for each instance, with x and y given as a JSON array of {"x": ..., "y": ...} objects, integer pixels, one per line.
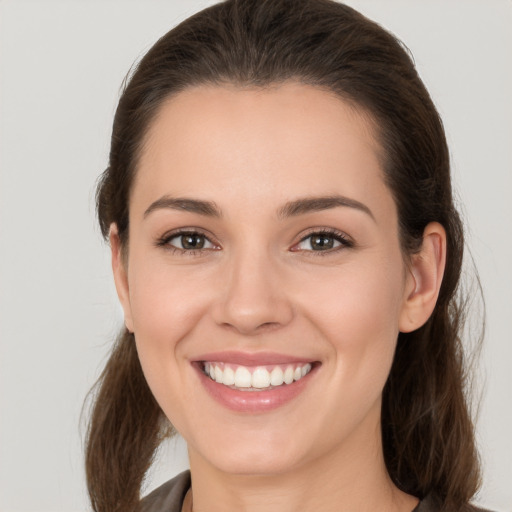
[
  {"x": 276, "y": 376},
  {"x": 288, "y": 375},
  {"x": 260, "y": 378},
  {"x": 305, "y": 369},
  {"x": 242, "y": 377},
  {"x": 255, "y": 378},
  {"x": 229, "y": 376}
]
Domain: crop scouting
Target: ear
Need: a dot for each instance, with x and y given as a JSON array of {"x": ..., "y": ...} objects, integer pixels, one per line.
[
  {"x": 424, "y": 277},
  {"x": 120, "y": 275}
]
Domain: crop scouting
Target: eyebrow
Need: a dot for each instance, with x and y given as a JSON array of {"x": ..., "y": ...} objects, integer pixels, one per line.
[
  {"x": 290, "y": 209},
  {"x": 207, "y": 208},
  {"x": 316, "y": 204}
]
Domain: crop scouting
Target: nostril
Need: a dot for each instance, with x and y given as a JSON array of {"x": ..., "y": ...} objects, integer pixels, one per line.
[{"x": 248, "y": 329}]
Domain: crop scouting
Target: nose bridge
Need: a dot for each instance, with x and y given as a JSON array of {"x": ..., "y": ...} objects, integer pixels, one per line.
[{"x": 254, "y": 293}]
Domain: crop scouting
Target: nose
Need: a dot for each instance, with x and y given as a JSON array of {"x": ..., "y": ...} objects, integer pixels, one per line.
[{"x": 254, "y": 296}]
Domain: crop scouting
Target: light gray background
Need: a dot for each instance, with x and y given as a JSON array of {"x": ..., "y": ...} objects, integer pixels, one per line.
[{"x": 61, "y": 65}]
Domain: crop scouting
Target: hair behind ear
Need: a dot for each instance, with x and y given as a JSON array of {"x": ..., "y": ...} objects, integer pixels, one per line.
[
  {"x": 427, "y": 430},
  {"x": 124, "y": 431}
]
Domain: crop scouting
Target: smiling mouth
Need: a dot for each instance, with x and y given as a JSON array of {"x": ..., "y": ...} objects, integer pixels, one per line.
[{"x": 255, "y": 378}]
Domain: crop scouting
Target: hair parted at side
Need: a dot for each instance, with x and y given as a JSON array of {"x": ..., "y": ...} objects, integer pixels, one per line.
[{"x": 427, "y": 431}]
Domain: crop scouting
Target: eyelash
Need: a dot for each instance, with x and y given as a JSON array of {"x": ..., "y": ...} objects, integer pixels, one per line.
[
  {"x": 338, "y": 236},
  {"x": 164, "y": 242}
]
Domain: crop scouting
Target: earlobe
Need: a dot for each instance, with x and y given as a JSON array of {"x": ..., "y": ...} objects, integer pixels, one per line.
[
  {"x": 424, "y": 279},
  {"x": 120, "y": 275}
]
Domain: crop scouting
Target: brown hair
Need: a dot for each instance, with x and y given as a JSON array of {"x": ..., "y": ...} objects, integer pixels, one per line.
[{"x": 427, "y": 431}]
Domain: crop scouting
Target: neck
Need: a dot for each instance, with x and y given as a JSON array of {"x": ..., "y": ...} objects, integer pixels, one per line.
[{"x": 351, "y": 477}]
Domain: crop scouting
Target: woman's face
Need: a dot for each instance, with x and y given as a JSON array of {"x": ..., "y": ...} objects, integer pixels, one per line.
[{"x": 263, "y": 245}]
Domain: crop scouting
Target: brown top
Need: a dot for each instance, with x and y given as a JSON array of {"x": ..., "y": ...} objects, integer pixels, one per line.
[{"x": 169, "y": 498}]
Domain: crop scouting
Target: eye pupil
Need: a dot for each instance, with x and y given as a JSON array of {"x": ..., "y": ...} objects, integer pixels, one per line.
[
  {"x": 192, "y": 241},
  {"x": 319, "y": 242}
]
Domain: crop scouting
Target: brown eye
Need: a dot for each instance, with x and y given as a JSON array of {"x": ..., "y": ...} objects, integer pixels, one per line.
[
  {"x": 323, "y": 242},
  {"x": 190, "y": 241}
]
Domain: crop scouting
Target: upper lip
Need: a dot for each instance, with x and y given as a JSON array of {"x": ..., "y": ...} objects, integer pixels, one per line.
[{"x": 251, "y": 359}]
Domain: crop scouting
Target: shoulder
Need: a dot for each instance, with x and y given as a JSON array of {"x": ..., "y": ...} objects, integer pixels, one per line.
[
  {"x": 168, "y": 497},
  {"x": 430, "y": 505}
]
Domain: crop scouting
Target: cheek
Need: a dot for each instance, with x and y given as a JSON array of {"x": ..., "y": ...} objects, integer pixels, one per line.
[
  {"x": 165, "y": 299},
  {"x": 357, "y": 309},
  {"x": 166, "y": 306},
  {"x": 356, "y": 298}
]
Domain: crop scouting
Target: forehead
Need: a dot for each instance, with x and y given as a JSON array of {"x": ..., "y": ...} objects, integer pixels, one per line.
[{"x": 259, "y": 143}]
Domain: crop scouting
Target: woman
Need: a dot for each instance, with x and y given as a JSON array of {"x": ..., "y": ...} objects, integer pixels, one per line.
[{"x": 287, "y": 253}]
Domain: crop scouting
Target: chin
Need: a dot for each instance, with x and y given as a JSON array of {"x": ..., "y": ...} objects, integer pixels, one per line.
[
  {"x": 265, "y": 464},
  {"x": 258, "y": 456}
]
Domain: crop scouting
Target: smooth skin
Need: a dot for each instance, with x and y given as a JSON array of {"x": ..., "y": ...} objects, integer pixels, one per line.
[{"x": 260, "y": 280}]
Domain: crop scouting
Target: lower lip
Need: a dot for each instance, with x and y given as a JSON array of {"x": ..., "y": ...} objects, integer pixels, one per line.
[{"x": 253, "y": 401}]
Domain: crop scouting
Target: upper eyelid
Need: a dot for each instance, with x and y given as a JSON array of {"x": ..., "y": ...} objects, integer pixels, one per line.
[
  {"x": 187, "y": 230},
  {"x": 163, "y": 241},
  {"x": 326, "y": 231}
]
